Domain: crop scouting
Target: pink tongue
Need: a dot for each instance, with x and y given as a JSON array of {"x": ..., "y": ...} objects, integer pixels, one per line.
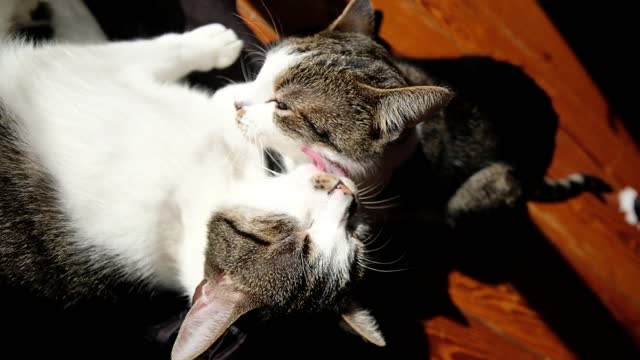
[{"x": 318, "y": 161}]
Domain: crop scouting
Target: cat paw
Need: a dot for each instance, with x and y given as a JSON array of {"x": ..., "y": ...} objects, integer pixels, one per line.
[{"x": 213, "y": 46}]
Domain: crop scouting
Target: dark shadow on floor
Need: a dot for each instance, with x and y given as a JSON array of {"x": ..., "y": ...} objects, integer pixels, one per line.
[{"x": 605, "y": 50}]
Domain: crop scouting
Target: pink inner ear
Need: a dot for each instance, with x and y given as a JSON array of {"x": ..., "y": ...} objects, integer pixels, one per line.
[
  {"x": 198, "y": 293},
  {"x": 318, "y": 161},
  {"x": 216, "y": 305}
]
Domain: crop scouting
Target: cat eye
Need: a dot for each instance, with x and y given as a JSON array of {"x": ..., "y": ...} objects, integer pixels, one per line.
[{"x": 281, "y": 106}]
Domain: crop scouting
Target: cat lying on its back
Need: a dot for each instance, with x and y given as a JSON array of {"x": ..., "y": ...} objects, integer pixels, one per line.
[{"x": 113, "y": 172}]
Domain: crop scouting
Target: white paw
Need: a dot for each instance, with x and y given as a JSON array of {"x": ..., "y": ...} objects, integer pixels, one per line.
[{"x": 212, "y": 46}]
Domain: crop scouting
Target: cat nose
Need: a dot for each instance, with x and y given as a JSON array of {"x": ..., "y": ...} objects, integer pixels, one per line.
[
  {"x": 238, "y": 105},
  {"x": 342, "y": 187}
]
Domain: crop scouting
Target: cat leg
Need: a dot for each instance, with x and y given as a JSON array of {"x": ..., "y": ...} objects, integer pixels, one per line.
[
  {"x": 170, "y": 57},
  {"x": 490, "y": 188}
]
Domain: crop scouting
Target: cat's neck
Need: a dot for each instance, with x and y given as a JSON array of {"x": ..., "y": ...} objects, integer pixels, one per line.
[
  {"x": 209, "y": 186},
  {"x": 395, "y": 155}
]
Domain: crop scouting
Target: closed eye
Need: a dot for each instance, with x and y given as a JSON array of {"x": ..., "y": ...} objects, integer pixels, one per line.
[
  {"x": 323, "y": 135},
  {"x": 253, "y": 237},
  {"x": 281, "y": 106}
]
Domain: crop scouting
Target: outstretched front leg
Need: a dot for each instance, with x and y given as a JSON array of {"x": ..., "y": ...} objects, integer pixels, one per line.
[
  {"x": 170, "y": 57},
  {"x": 208, "y": 47}
]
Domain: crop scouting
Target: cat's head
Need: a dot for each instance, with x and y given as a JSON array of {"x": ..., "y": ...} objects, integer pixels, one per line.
[
  {"x": 335, "y": 98},
  {"x": 294, "y": 248}
]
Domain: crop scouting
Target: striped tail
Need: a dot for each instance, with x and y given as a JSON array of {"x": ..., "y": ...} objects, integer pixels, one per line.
[{"x": 556, "y": 190}]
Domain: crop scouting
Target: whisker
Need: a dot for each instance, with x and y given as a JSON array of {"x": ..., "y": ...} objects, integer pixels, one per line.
[
  {"x": 260, "y": 48},
  {"x": 363, "y": 190},
  {"x": 367, "y": 189},
  {"x": 385, "y": 262},
  {"x": 274, "y": 173},
  {"x": 247, "y": 21},
  {"x": 380, "y": 270},
  {"x": 381, "y": 201},
  {"x": 271, "y": 156},
  {"x": 369, "y": 241},
  {"x": 377, "y": 188},
  {"x": 379, "y": 207},
  {"x": 371, "y": 185},
  {"x": 369, "y": 251},
  {"x": 373, "y": 195},
  {"x": 256, "y": 55},
  {"x": 229, "y": 80},
  {"x": 243, "y": 68},
  {"x": 265, "y": 150},
  {"x": 273, "y": 23}
]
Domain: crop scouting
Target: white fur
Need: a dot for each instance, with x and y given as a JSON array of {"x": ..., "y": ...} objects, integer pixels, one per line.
[
  {"x": 259, "y": 106},
  {"x": 324, "y": 214},
  {"x": 141, "y": 162},
  {"x": 626, "y": 199}
]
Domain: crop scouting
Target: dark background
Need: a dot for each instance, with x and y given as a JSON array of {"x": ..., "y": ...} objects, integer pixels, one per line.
[{"x": 601, "y": 35}]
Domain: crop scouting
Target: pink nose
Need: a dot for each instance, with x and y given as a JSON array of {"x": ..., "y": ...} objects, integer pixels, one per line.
[{"x": 344, "y": 188}]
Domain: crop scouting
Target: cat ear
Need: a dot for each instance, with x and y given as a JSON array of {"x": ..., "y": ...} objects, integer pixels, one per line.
[
  {"x": 357, "y": 17},
  {"x": 216, "y": 305},
  {"x": 404, "y": 108},
  {"x": 365, "y": 325}
]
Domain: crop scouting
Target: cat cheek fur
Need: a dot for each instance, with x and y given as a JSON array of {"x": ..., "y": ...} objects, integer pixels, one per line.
[{"x": 256, "y": 120}]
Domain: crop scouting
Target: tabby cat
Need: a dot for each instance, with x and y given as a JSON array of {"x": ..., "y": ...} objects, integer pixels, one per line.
[{"x": 341, "y": 100}]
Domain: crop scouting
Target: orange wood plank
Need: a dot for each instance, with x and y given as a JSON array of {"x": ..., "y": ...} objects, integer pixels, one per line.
[
  {"x": 263, "y": 30},
  {"x": 502, "y": 309},
  {"x": 451, "y": 341}
]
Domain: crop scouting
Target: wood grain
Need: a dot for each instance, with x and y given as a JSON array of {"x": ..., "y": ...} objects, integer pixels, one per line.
[
  {"x": 591, "y": 236},
  {"x": 502, "y": 309}
]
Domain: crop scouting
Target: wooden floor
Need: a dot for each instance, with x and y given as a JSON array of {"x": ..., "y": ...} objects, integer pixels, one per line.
[{"x": 505, "y": 320}]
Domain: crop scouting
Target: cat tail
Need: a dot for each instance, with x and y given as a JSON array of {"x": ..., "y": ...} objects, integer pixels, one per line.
[{"x": 555, "y": 190}]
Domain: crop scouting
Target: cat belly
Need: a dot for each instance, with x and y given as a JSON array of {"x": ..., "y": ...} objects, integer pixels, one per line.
[{"x": 118, "y": 152}]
